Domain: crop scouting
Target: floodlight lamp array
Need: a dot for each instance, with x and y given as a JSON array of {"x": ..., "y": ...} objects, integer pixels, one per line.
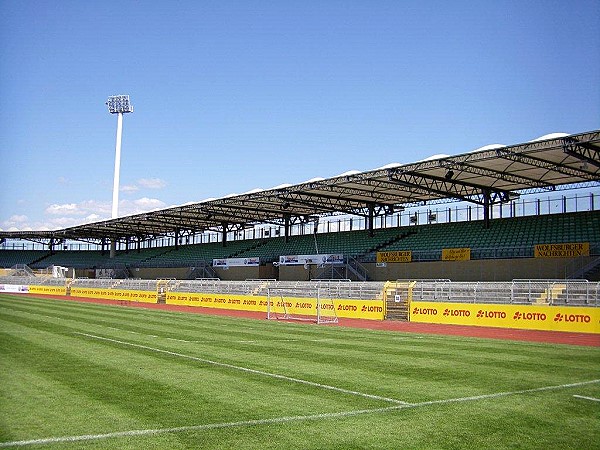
[{"x": 119, "y": 104}]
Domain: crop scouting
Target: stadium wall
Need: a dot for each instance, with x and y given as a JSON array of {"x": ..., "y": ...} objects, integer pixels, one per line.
[
  {"x": 295, "y": 273},
  {"x": 473, "y": 270},
  {"x": 247, "y": 273},
  {"x": 231, "y": 274},
  {"x": 479, "y": 269},
  {"x": 155, "y": 273}
]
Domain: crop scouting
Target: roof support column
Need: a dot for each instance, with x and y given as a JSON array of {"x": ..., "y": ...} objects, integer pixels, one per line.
[
  {"x": 286, "y": 227},
  {"x": 224, "y": 233},
  {"x": 486, "y": 208},
  {"x": 371, "y": 219},
  {"x": 176, "y": 238}
]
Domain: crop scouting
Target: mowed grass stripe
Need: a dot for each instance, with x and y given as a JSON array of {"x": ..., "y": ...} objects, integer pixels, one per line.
[
  {"x": 349, "y": 343},
  {"x": 127, "y": 381},
  {"x": 144, "y": 320},
  {"x": 248, "y": 370},
  {"x": 347, "y": 339},
  {"x": 322, "y": 360},
  {"x": 225, "y": 365},
  {"x": 145, "y": 377},
  {"x": 398, "y": 366},
  {"x": 226, "y": 341},
  {"x": 279, "y": 420}
]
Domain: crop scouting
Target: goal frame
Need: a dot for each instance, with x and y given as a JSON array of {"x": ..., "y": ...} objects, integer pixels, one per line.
[{"x": 280, "y": 295}]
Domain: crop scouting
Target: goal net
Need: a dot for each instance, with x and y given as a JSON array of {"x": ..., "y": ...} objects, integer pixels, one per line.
[{"x": 306, "y": 303}]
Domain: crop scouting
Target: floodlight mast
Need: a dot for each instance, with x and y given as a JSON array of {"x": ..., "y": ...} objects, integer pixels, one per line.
[{"x": 118, "y": 104}]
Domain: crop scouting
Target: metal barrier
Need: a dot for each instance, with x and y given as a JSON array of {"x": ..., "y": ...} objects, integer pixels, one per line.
[
  {"x": 531, "y": 292},
  {"x": 543, "y": 292}
]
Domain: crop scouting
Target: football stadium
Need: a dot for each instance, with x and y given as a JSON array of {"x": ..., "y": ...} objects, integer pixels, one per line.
[{"x": 452, "y": 302}]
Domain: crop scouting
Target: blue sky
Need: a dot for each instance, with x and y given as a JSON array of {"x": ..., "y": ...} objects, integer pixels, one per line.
[{"x": 235, "y": 95}]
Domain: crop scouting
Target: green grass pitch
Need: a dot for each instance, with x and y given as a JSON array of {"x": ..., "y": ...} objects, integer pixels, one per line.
[{"x": 82, "y": 375}]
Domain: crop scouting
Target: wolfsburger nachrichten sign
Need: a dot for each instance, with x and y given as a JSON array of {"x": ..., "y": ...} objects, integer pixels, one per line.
[
  {"x": 565, "y": 250},
  {"x": 456, "y": 254},
  {"x": 396, "y": 256}
]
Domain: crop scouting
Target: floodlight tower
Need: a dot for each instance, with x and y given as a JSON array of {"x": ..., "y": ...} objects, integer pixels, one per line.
[{"x": 119, "y": 105}]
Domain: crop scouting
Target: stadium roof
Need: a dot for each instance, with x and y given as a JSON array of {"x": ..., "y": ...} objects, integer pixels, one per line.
[{"x": 486, "y": 176}]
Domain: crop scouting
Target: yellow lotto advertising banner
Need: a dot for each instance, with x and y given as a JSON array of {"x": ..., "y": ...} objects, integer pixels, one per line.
[
  {"x": 48, "y": 290},
  {"x": 550, "y": 318},
  {"x": 562, "y": 250},
  {"x": 357, "y": 309},
  {"x": 456, "y": 254},
  {"x": 221, "y": 301},
  {"x": 396, "y": 256},
  {"x": 115, "y": 294}
]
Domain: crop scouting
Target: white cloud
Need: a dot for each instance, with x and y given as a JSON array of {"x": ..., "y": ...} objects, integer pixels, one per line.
[
  {"x": 20, "y": 229},
  {"x": 152, "y": 183},
  {"x": 59, "y": 216},
  {"x": 146, "y": 204},
  {"x": 129, "y": 188},
  {"x": 67, "y": 208},
  {"x": 15, "y": 221},
  {"x": 64, "y": 222},
  {"x": 95, "y": 207},
  {"x": 21, "y": 218}
]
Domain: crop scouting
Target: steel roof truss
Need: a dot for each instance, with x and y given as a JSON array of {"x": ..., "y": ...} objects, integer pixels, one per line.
[
  {"x": 496, "y": 174},
  {"x": 582, "y": 151},
  {"x": 549, "y": 166},
  {"x": 461, "y": 190}
]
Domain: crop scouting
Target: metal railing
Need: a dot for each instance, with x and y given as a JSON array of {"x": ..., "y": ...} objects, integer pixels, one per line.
[
  {"x": 542, "y": 292},
  {"x": 531, "y": 292}
]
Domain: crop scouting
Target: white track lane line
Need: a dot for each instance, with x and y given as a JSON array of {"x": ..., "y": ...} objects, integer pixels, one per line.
[
  {"x": 276, "y": 420},
  {"x": 247, "y": 370}
]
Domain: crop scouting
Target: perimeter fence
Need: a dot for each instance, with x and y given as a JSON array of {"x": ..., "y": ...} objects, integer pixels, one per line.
[
  {"x": 337, "y": 289},
  {"x": 544, "y": 292},
  {"x": 532, "y": 292}
]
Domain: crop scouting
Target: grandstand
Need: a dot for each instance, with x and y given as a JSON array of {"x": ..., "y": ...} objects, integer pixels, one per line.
[
  {"x": 506, "y": 239},
  {"x": 374, "y": 215}
]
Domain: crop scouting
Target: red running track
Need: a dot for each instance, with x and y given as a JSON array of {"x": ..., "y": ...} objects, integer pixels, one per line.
[{"x": 554, "y": 337}]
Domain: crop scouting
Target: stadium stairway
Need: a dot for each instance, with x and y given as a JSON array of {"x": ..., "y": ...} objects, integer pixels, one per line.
[
  {"x": 390, "y": 241},
  {"x": 588, "y": 272},
  {"x": 396, "y": 296}
]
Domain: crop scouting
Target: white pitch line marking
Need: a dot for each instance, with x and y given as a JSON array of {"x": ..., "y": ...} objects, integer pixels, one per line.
[
  {"x": 275, "y": 420},
  {"x": 179, "y": 340},
  {"x": 504, "y": 394},
  {"x": 248, "y": 370},
  {"x": 588, "y": 398}
]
